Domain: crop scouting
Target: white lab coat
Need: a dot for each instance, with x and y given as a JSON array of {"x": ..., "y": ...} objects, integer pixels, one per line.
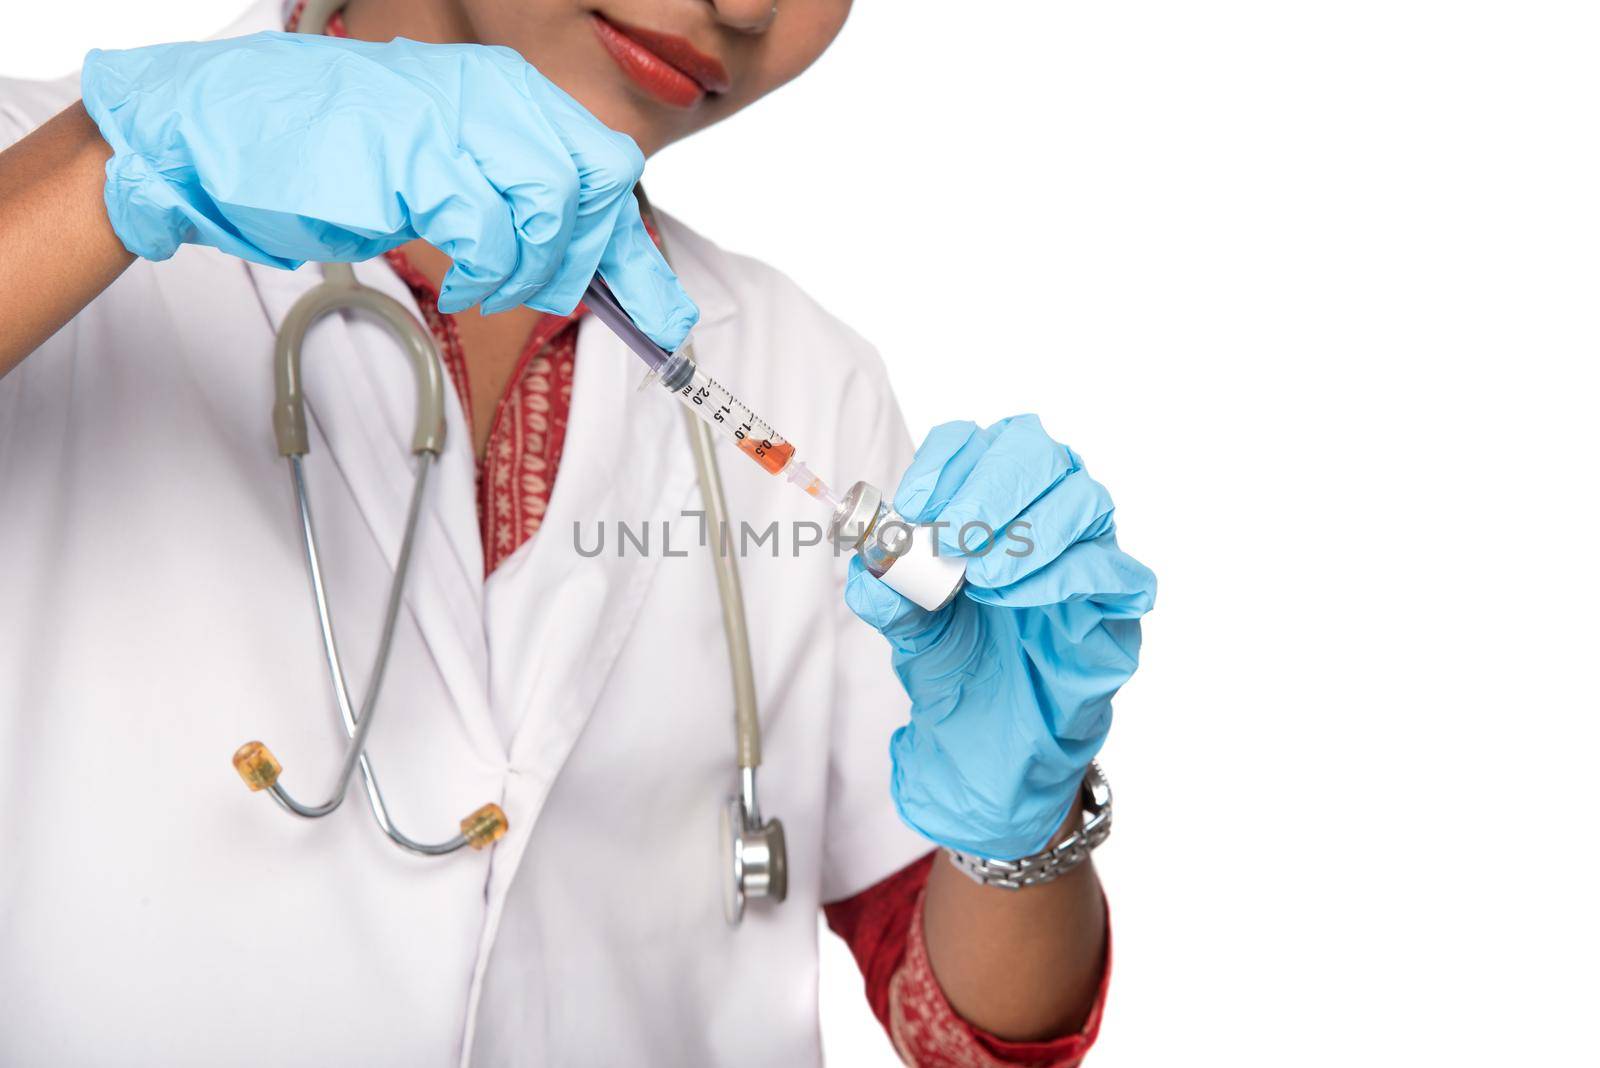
[{"x": 154, "y": 614}]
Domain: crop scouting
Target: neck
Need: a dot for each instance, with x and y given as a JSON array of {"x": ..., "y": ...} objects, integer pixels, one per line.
[{"x": 431, "y": 21}]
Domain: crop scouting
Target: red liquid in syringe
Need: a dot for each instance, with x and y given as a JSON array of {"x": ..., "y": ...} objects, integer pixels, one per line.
[
  {"x": 774, "y": 456},
  {"x": 715, "y": 405}
]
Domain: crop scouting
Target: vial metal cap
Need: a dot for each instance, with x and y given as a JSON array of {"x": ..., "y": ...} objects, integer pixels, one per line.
[{"x": 855, "y": 515}]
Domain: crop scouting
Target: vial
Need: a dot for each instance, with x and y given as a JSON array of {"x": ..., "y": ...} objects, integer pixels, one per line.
[{"x": 906, "y": 557}]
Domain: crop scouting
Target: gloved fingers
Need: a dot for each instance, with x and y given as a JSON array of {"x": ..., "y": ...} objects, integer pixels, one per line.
[
  {"x": 480, "y": 243},
  {"x": 523, "y": 158},
  {"x": 608, "y": 234},
  {"x": 878, "y": 606},
  {"x": 646, "y": 287},
  {"x": 1076, "y": 508},
  {"x": 943, "y": 461},
  {"x": 544, "y": 218},
  {"x": 1079, "y": 660},
  {"x": 1096, "y": 572},
  {"x": 364, "y": 163},
  {"x": 455, "y": 208},
  {"x": 907, "y": 626},
  {"x": 550, "y": 159},
  {"x": 608, "y": 165},
  {"x": 1018, "y": 467}
]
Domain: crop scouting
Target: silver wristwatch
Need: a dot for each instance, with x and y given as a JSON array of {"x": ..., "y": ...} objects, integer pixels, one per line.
[{"x": 1053, "y": 861}]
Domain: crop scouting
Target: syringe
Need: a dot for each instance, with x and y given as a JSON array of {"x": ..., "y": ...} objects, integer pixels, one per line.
[
  {"x": 903, "y": 555},
  {"x": 708, "y": 399}
]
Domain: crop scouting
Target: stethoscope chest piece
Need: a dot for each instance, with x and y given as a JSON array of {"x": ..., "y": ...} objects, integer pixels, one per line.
[{"x": 755, "y": 859}]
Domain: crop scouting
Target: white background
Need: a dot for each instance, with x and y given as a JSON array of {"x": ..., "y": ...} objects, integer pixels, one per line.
[{"x": 1312, "y": 288}]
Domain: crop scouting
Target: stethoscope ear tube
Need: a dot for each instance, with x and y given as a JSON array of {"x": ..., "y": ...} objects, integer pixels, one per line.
[
  {"x": 757, "y": 856},
  {"x": 339, "y": 291},
  {"x": 755, "y": 853},
  {"x": 755, "y": 859},
  {"x": 316, "y": 13},
  {"x": 256, "y": 763}
]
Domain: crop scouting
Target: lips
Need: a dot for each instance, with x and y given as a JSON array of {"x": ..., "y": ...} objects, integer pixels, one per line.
[{"x": 664, "y": 65}]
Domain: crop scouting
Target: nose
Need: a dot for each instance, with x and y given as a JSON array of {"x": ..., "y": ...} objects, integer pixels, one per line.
[{"x": 750, "y": 16}]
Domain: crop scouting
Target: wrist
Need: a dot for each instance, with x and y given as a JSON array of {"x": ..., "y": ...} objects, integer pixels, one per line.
[
  {"x": 147, "y": 215},
  {"x": 1088, "y": 823},
  {"x": 138, "y": 204}
]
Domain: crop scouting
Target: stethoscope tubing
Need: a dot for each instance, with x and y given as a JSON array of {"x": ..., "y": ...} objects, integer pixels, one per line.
[
  {"x": 341, "y": 292},
  {"x": 357, "y": 725}
]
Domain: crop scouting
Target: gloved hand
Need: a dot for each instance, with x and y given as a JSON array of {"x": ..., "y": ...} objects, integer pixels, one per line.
[
  {"x": 1011, "y": 682},
  {"x": 281, "y": 148}
]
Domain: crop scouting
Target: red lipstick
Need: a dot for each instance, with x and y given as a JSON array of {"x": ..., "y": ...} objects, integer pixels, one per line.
[{"x": 664, "y": 65}]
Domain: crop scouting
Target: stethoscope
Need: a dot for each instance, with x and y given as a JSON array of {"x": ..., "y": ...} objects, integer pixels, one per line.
[{"x": 754, "y": 858}]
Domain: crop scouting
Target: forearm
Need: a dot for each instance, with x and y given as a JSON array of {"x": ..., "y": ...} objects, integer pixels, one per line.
[
  {"x": 1023, "y": 965},
  {"x": 57, "y": 248}
]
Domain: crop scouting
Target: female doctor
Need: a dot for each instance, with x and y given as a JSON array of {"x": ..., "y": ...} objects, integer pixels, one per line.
[{"x": 153, "y": 615}]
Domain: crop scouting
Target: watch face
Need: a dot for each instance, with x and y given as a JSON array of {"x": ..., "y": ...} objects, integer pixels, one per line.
[
  {"x": 732, "y": 863},
  {"x": 1095, "y": 785}
]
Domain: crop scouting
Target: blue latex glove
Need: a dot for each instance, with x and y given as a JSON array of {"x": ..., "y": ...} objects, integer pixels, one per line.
[
  {"x": 1011, "y": 682},
  {"x": 281, "y": 148}
]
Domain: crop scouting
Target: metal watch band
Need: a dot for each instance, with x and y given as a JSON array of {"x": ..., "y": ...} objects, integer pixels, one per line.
[{"x": 1057, "y": 860}]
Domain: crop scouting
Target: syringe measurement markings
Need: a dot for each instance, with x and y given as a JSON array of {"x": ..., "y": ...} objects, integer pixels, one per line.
[
  {"x": 754, "y": 436},
  {"x": 678, "y": 373}
]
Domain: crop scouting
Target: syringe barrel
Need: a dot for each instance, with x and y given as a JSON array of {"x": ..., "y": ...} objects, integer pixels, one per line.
[
  {"x": 725, "y": 414},
  {"x": 714, "y": 405}
]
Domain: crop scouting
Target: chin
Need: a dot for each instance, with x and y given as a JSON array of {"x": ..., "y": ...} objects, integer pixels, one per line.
[
  {"x": 621, "y": 111},
  {"x": 566, "y": 51},
  {"x": 614, "y": 102}
]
